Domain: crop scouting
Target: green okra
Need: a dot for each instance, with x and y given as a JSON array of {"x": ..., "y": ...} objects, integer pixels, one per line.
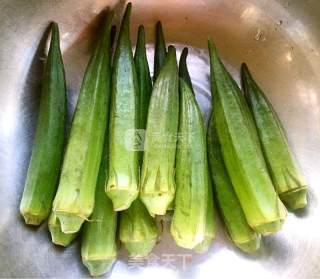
[
  {"x": 47, "y": 152},
  {"x": 160, "y": 51},
  {"x": 123, "y": 181},
  {"x": 229, "y": 206},
  {"x": 144, "y": 81},
  {"x": 183, "y": 68},
  {"x": 74, "y": 200},
  {"x": 188, "y": 225},
  {"x": 242, "y": 152},
  {"x": 138, "y": 230},
  {"x": 99, "y": 245},
  {"x": 210, "y": 219},
  {"x": 210, "y": 231},
  {"x": 57, "y": 235},
  {"x": 285, "y": 173},
  {"x": 157, "y": 177}
]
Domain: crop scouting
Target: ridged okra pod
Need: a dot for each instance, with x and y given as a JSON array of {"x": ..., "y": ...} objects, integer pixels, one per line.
[
  {"x": 157, "y": 178},
  {"x": 229, "y": 206},
  {"x": 123, "y": 182},
  {"x": 47, "y": 151},
  {"x": 210, "y": 230},
  {"x": 192, "y": 177},
  {"x": 285, "y": 173},
  {"x": 242, "y": 152},
  {"x": 74, "y": 200},
  {"x": 138, "y": 230},
  {"x": 98, "y": 244}
]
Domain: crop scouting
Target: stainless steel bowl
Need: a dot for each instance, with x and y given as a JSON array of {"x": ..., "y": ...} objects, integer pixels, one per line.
[{"x": 279, "y": 39}]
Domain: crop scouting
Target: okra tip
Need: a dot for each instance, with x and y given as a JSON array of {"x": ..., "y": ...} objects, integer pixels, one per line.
[
  {"x": 140, "y": 39},
  {"x": 157, "y": 203},
  {"x": 244, "y": 69},
  {"x": 269, "y": 228},
  {"x": 183, "y": 59},
  {"x": 98, "y": 267},
  {"x": 121, "y": 199},
  {"x": 204, "y": 245},
  {"x": 140, "y": 249},
  {"x": 60, "y": 238},
  {"x": 295, "y": 199},
  {"x": 141, "y": 32},
  {"x": 54, "y": 27},
  {"x": 127, "y": 11},
  {"x": 213, "y": 52},
  {"x": 32, "y": 219},
  {"x": 171, "y": 50},
  {"x": 55, "y": 34},
  {"x": 184, "y": 240},
  {"x": 159, "y": 31},
  {"x": 245, "y": 76},
  {"x": 70, "y": 223},
  {"x": 251, "y": 245}
]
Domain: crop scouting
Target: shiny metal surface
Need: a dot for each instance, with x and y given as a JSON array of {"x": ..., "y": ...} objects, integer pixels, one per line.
[{"x": 278, "y": 39}]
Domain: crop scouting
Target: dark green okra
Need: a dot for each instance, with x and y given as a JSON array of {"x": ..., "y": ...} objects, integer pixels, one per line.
[
  {"x": 160, "y": 51},
  {"x": 183, "y": 68},
  {"x": 123, "y": 181},
  {"x": 157, "y": 181},
  {"x": 144, "y": 82},
  {"x": 285, "y": 173},
  {"x": 47, "y": 151},
  {"x": 242, "y": 152},
  {"x": 74, "y": 201}
]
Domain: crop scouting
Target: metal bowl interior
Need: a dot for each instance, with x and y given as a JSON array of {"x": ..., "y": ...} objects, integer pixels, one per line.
[{"x": 280, "y": 42}]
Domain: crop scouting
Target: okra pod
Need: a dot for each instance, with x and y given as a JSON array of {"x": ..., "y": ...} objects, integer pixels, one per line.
[
  {"x": 47, "y": 152},
  {"x": 157, "y": 179},
  {"x": 192, "y": 178},
  {"x": 229, "y": 206},
  {"x": 210, "y": 231},
  {"x": 242, "y": 152},
  {"x": 98, "y": 245},
  {"x": 285, "y": 173},
  {"x": 123, "y": 182},
  {"x": 138, "y": 230},
  {"x": 74, "y": 200}
]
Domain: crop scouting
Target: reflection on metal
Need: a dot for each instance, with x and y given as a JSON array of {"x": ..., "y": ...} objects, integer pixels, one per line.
[{"x": 286, "y": 64}]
